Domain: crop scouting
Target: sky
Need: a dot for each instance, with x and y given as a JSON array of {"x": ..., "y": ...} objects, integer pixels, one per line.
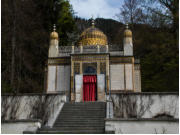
[{"x": 96, "y": 8}]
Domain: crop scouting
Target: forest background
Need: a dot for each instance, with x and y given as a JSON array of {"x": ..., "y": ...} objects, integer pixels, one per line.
[{"x": 27, "y": 24}]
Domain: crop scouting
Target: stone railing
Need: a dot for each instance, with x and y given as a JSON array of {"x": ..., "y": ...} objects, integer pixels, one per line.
[{"x": 67, "y": 50}]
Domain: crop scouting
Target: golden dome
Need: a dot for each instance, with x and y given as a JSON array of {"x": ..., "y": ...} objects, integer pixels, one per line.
[
  {"x": 92, "y": 36},
  {"x": 127, "y": 32},
  {"x": 54, "y": 35}
]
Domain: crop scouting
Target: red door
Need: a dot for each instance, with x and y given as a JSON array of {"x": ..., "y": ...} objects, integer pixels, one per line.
[{"x": 89, "y": 87}]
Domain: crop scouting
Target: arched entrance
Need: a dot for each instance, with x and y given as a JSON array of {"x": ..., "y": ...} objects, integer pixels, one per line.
[
  {"x": 89, "y": 88},
  {"x": 89, "y": 83}
]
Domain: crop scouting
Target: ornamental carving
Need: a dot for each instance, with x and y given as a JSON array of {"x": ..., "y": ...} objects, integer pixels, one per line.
[
  {"x": 59, "y": 61},
  {"x": 76, "y": 68},
  {"x": 116, "y": 60},
  {"x": 89, "y": 68},
  {"x": 103, "y": 68},
  {"x": 89, "y": 58}
]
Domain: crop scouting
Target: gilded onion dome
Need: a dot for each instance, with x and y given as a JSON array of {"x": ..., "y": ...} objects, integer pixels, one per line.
[
  {"x": 127, "y": 32},
  {"x": 54, "y": 34},
  {"x": 92, "y": 36}
]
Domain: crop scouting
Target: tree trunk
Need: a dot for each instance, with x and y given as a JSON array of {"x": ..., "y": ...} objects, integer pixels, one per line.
[{"x": 13, "y": 42}]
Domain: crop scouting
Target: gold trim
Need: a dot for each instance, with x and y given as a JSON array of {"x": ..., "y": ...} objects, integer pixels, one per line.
[
  {"x": 118, "y": 60},
  {"x": 98, "y": 68},
  {"x": 89, "y": 58},
  {"x": 59, "y": 61},
  {"x": 81, "y": 68},
  {"x": 77, "y": 68}
]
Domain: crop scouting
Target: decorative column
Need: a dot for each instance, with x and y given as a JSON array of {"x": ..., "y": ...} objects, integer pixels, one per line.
[
  {"x": 72, "y": 81},
  {"x": 73, "y": 49},
  {"x": 107, "y": 73},
  {"x": 98, "y": 67},
  {"x": 98, "y": 49},
  {"x": 81, "y": 73},
  {"x": 107, "y": 49},
  {"x": 81, "y": 68},
  {"x": 81, "y": 49}
]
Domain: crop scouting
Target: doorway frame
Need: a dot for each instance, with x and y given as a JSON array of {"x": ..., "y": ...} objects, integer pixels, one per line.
[{"x": 90, "y": 74}]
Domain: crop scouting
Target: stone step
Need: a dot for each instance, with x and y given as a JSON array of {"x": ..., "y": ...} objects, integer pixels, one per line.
[
  {"x": 70, "y": 126},
  {"x": 83, "y": 109},
  {"x": 85, "y": 103},
  {"x": 72, "y": 132},
  {"x": 79, "y": 110},
  {"x": 73, "y": 128},
  {"x": 90, "y": 105},
  {"x": 78, "y": 124},
  {"x": 83, "y": 114},
  {"x": 79, "y": 119}
]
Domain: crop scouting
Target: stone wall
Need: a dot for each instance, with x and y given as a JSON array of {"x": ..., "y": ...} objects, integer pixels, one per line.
[
  {"x": 45, "y": 107},
  {"x": 142, "y": 126},
  {"x": 20, "y": 126},
  {"x": 117, "y": 77},
  {"x": 121, "y": 77},
  {"x": 63, "y": 78},
  {"x": 58, "y": 78},
  {"x": 142, "y": 113},
  {"x": 143, "y": 105}
]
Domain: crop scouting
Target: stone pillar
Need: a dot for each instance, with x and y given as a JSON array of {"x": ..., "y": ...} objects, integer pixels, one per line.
[
  {"x": 81, "y": 49},
  {"x": 73, "y": 49},
  {"x": 98, "y": 49},
  {"x": 99, "y": 91},
  {"x": 107, "y": 49},
  {"x": 81, "y": 68},
  {"x": 81, "y": 72},
  {"x": 107, "y": 73},
  {"x": 72, "y": 81},
  {"x": 98, "y": 67}
]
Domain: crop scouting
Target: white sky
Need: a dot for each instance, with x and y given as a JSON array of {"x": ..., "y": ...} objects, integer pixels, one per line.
[{"x": 96, "y": 8}]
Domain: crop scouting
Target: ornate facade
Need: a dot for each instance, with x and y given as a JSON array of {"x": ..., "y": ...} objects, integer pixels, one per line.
[{"x": 115, "y": 70}]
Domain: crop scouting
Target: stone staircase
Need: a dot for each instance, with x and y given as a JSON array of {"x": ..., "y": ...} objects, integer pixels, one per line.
[{"x": 79, "y": 118}]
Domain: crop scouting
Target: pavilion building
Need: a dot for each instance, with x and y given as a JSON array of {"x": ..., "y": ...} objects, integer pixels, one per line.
[{"x": 92, "y": 69}]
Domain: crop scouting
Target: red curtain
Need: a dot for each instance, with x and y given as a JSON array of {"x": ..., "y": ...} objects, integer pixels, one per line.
[{"x": 89, "y": 88}]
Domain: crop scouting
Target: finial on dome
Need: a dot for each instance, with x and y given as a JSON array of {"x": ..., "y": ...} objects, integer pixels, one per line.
[
  {"x": 54, "y": 27},
  {"x": 127, "y": 26},
  {"x": 54, "y": 34},
  {"x": 127, "y": 32},
  {"x": 93, "y": 22}
]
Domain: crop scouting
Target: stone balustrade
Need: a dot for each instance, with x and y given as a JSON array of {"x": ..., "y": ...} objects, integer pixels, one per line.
[{"x": 67, "y": 50}]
